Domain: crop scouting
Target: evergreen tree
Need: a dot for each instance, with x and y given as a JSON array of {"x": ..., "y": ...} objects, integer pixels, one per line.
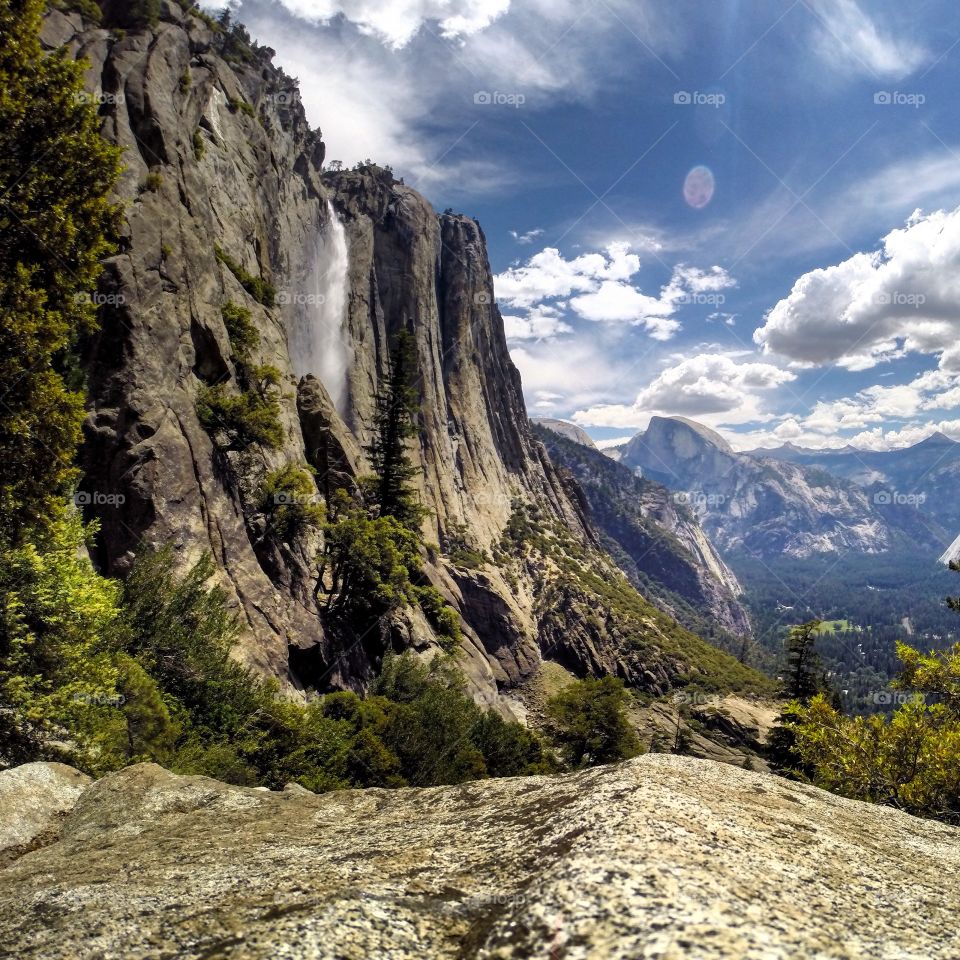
[
  {"x": 589, "y": 720},
  {"x": 804, "y": 675},
  {"x": 394, "y": 424},
  {"x": 56, "y": 173}
]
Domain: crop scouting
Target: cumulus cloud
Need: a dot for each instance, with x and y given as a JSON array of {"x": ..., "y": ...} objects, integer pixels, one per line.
[
  {"x": 396, "y": 22},
  {"x": 876, "y": 306},
  {"x": 540, "y": 323},
  {"x": 556, "y": 380},
  {"x": 875, "y": 439},
  {"x": 851, "y": 41},
  {"x": 931, "y": 391},
  {"x": 600, "y": 287},
  {"x": 715, "y": 388}
]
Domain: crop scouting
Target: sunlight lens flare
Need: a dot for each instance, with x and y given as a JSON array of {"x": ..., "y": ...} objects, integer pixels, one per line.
[{"x": 698, "y": 187}]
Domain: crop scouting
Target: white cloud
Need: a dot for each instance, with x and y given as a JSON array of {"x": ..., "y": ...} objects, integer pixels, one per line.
[
  {"x": 395, "y": 80},
  {"x": 875, "y": 306},
  {"x": 601, "y": 288},
  {"x": 613, "y": 441},
  {"x": 528, "y": 237},
  {"x": 396, "y": 22},
  {"x": 581, "y": 373},
  {"x": 875, "y": 439},
  {"x": 715, "y": 388},
  {"x": 850, "y": 41},
  {"x": 541, "y": 323}
]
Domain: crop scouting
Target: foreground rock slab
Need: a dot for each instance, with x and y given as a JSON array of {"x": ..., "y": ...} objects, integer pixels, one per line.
[
  {"x": 662, "y": 857},
  {"x": 34, "y": 799}
]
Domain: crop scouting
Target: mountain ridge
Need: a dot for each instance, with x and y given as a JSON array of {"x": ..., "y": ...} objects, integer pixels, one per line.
[{"x": 227, "y": 204}]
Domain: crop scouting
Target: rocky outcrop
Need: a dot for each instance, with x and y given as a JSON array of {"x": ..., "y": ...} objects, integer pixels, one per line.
[
  {"x": 34, "y": 799},
  {"x": 223, "y": 185},
  {"x": 762, "y": 507},
  {"x": 913, "y": 485},
  {"x": 566, "y": 429},
  {"x": 226, "y": 203},
  {"x": 655, "y": 538},
  {"x": 661, "y": 857}
]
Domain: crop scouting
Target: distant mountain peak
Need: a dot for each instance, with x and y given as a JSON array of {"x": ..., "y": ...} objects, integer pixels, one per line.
[
  {"x": 938, "y": 439},
  {"x": 566, "y": 429},
  {"x": 660, "y": 424}
]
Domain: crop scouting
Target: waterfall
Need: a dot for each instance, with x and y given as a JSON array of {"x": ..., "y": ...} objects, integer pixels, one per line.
[{"x": 319, "y": 344}]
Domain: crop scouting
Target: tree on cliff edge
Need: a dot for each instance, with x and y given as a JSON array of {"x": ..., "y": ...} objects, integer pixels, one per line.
[{"x": 395, "y": 423}]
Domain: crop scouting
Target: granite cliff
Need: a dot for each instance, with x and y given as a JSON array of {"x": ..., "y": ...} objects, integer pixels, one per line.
[
  {"x": 227, "y": 203},
  {"x": 655, "y": 537},
  {"x": 767, "y": 508}
]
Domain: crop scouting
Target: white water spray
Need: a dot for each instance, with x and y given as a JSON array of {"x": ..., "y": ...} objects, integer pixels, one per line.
[{"x": 319, "y": 344}]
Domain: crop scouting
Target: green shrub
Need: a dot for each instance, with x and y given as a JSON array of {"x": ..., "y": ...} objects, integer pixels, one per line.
[
  {"x": 910, "y": 760},
  {"x": 56, "y": 177},
  {"x": 235, "y": 104},
  {"x": 457, "y": 546},
  {"x": 88, "y": 8},
  {"x": 199, "y": 145},
  {"x": 186, "y": 81},
  {"x": 441, "y": 616},
  {"x": 241, "y": 419},
  {"x": 589, "y": 721},
  {"x": 58, "y": 680},
  {"x": 242, "y": 331},
  {"x": 439, "y": 735},
  {"x": 290, "y": 501},
  {"x": 191, "y": 7},
  {"x": 152, "y": 184},
  {"x": 257, "y": 287},
  {"x": 369, "y": 561}
]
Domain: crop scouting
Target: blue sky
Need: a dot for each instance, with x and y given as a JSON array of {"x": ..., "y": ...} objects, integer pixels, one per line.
[{"x": 804, "y": 287}]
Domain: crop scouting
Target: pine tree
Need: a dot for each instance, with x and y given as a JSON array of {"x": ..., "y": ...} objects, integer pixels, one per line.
[
  {"x": 802, "y": 682},
  {"x": 394, "y": 424},
  {"x": 56, "y": 173},
  {"x": 804, "y": 678}
]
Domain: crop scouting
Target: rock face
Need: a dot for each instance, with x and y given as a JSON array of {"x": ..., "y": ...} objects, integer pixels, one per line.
[
  {"x": 225, "y": 197},
  {"x": 219, "y": 156},
  {"x": 920, "y": 480},
  {"x": 655, "y": 538},
  {"x": 661, "y": 857},
  {"x": 763, "y": 507},
  {"x": 34, "y": 799},
  {"x": 566, "y": 429}
]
